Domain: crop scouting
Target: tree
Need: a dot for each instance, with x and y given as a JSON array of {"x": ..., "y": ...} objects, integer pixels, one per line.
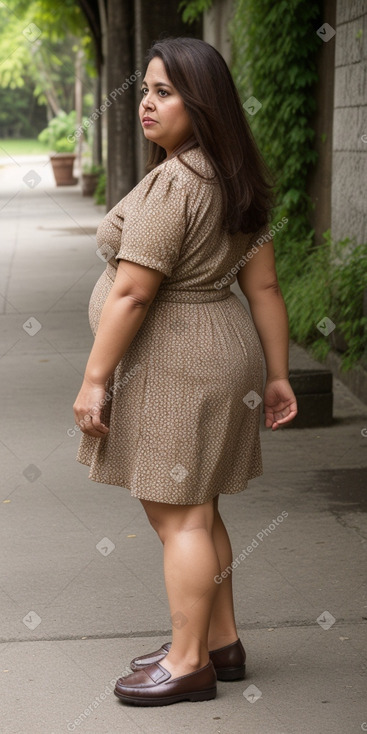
[
  {"x": 37, "y": 47},
  {"x": 20, "y": 114},
  {"x": 119, "y": 34}
]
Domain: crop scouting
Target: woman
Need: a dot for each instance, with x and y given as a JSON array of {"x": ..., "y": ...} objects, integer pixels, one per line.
[{"x": 171, "y": 398}]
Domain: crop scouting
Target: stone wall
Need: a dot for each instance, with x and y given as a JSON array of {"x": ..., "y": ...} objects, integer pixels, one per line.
[{"x": 349, "y": 160}]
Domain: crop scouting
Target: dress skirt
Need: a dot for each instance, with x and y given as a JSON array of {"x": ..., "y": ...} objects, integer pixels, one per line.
[{"x": 183, "y": 405}]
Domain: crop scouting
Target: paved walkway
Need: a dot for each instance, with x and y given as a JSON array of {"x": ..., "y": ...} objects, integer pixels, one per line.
[{"x": 81, "y": 588}]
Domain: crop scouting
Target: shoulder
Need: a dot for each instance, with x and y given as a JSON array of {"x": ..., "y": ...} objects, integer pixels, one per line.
[
  {"x": 190, "y": 169},
  {"x": 160, "y": 183},
  {"x": 179, "y": 180},
  {"x": 194, "y": 167}
]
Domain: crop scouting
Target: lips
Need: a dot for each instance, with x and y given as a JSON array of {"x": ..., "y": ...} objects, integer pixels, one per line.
[{"x": 148, "y": 119}]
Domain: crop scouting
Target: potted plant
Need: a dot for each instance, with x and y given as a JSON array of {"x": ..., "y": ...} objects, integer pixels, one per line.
[
  {"x": 90, "y": 176},
  {"x": 100, "y": 192},
  {"x": 60, "y": 136}
]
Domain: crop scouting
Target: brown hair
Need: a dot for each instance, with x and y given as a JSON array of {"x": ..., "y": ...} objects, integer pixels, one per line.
[{"x": 202, "y": 78}]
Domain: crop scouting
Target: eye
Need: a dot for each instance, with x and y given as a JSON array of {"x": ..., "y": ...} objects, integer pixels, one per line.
[{"x": 161, "y": 92}]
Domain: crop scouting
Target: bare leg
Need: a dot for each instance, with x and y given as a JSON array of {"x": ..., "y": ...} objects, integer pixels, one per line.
[
  {"x": 190, "y": 565},
  {"x": 222, "y": 629}
]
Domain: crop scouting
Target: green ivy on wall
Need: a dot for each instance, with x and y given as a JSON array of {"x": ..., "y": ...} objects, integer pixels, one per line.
[
  {"x": 274, "y": 53},
  {"x": 274, "y": 48}
]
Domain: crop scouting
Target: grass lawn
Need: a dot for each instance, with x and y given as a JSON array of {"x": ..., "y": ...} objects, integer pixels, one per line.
[{"x": 22, "y": 147}]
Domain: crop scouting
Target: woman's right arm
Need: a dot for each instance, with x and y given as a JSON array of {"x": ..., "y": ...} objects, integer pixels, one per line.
[{"x": 259, "y": 283}]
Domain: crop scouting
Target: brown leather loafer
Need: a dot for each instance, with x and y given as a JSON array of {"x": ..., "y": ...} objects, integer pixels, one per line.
[
  {"x": 229, "y": 661},
  {"x": 151, "y": 686}
]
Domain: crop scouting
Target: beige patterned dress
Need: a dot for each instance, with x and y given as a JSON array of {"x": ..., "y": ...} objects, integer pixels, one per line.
[{"x": 180, "y": 429}]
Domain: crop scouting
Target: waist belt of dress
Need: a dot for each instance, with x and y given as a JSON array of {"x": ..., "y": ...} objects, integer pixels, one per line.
[{"x": 192, "y": 296}]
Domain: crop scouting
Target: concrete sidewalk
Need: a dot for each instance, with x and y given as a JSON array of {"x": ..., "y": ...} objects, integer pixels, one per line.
[{"x": 72, "y": 615}]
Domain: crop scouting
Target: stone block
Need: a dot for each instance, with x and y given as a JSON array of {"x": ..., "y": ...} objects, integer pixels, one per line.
[
  {"x": 348, "y": 205},
  {"x": 313, "y": 390},
  {"x": 349, "y": 43},
  {"x": 351, "y": 85},
  {"x": 349, "y": 125},
  {"x": 349, "y": 9}
]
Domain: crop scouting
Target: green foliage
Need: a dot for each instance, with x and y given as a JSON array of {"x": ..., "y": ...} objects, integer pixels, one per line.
[
  {"x": 192, "y": 9},
  {"x": 54, "y": 72},
  {"x": 274, "y": 52},
  {"x": 20, "y": 114},
  {"x": 349, "y": 281},
  {"x": 332, "y": 282},
  {"x": 100, "y": 192},
  {"x": 39, "y": 40},
  {"x": 59, "y": 133},
  {"x": 55, "y": 21},
  {"x": 274, "y": 59},
  {"x": 63, "y": 145},
  {"x": 92, "y": 168}
]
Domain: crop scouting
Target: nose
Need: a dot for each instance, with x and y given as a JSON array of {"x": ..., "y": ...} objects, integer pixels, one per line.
[{"x": 147, "y": 102}]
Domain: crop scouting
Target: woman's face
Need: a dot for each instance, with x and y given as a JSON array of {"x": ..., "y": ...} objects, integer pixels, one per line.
[{"x": 162, "y": 112}]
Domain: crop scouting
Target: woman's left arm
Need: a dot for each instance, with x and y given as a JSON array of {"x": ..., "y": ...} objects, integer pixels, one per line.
[{"x": 123, "y": 313}]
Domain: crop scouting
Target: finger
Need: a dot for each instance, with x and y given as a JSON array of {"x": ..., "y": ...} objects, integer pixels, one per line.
[
  {"x": 91, "y": 425},
  {"x": 276, "y": 422},
  {"x": 94, "y": 432},
  {"x": 98, "y": 425},
  {"x": 269, "y": 419},
  {"x": 292, "y": 414},
  {"x": 275, "y": 426},
  {"x": 96, "y": 420}
]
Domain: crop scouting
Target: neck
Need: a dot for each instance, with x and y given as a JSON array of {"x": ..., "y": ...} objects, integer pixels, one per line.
[{"x": 189, "y": 143}]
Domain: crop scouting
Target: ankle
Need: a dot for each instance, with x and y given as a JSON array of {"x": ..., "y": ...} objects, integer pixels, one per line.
[
  {"x": 220, "y": 639},
  {"x": 191, "y": 660}
]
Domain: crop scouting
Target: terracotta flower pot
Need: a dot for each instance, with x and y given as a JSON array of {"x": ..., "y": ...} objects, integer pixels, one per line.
[
  {"x": 62, "y": 166},
  {"x": 89, "y": 183}
]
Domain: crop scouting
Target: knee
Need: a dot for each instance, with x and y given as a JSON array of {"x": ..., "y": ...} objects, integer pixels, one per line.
[
  {"x": 179, "y": 518},
  {"x": 153, "y": 517},
  {"x": 189, "y": 519},
  {"x": 156, "y": 525},
  {"x": 161, "y": 525},
  {"x": 153, "y": 520}
]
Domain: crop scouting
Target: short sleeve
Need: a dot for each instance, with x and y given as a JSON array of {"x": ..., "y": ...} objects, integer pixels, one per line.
[{"x": 154, "y": 221}]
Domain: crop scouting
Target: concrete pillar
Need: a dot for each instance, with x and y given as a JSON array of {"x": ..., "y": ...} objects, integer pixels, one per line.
[
  {"x": 215, "y": 27},
  {"x": 319, "y": 178}
]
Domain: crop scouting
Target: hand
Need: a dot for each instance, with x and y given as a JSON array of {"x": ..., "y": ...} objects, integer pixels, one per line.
[
  {"x": 87, "y": 409},
  {"x": 280, "y": 403}
]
